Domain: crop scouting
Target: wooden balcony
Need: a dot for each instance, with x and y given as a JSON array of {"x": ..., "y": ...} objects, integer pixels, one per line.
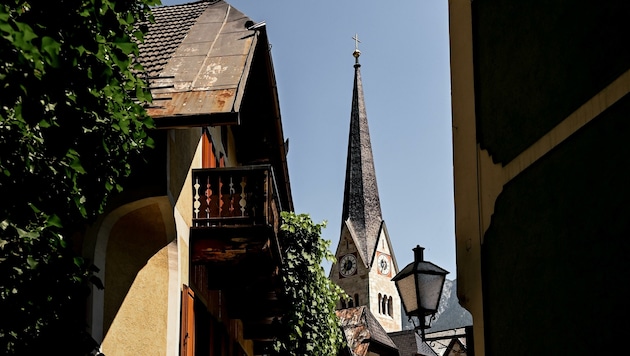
[
  {"x": 236, "y": 219},
  {"x": 241, "y": 196},
  {"x": 234, "y": 245}
]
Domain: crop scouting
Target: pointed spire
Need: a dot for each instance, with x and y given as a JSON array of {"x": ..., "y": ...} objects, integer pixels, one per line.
[{"x": 361, "y": 203}]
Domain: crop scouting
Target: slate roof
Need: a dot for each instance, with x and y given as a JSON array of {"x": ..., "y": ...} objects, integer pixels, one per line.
[
  {"x": 361, "y": 328},
  {"x": 361, "y": 202}
]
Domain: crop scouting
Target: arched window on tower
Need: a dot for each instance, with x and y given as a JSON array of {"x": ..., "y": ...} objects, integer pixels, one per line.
[
  {"x": 390, "y": 306},
  {"x": 380, "y": 299},
  {"x": 384, "y": 304},
  {"x": 343, "y": 304},
  {"x": 350, "y": 303}
]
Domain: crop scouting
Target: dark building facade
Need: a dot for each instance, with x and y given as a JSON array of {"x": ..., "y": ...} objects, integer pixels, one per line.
[{"x": 540, "y": 99}]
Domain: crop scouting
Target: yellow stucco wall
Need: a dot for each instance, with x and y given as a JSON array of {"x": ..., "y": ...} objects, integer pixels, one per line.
[
  {"x": 143, "y": 248},
  {"x": 184, "y": 154},
  {"x": 135, "y": 306},
  {"x": 467, "y": 209},
  {"x": 140, "y": 325}
]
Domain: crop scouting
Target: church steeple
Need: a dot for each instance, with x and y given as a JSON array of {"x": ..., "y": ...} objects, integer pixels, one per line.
[
  {"x": 365, "y": 257},
  {"x": 361, "y": 203}
]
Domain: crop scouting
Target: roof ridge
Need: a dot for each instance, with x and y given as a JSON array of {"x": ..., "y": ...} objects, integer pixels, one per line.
[{"x": 210, "y": 2}]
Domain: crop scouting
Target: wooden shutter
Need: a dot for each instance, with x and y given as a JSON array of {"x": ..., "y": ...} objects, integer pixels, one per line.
[
  {"x": 187, "y": 339},
  {"x": 209, "y": 160}
]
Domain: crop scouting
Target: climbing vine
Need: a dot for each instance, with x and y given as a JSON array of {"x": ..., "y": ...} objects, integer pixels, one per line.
[{"x": 311, "y": 325}]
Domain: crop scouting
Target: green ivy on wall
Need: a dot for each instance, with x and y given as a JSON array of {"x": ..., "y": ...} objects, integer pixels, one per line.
[{"x": 311, "y": 325}]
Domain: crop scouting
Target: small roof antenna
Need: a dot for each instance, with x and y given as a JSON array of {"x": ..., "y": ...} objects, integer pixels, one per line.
[{"x": 257, "y": 25}]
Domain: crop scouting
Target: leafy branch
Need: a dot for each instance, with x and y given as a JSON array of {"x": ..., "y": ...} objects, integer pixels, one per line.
[
  {"x": 72, "y": 124},
  {"x": 311, "y": 325}
]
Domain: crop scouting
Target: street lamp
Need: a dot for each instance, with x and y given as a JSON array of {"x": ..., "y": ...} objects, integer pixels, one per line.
[{"x": 420, "y": 285}]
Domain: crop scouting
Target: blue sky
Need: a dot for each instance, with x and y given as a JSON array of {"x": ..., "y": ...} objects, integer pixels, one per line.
[{"x": 406, "y": 81}]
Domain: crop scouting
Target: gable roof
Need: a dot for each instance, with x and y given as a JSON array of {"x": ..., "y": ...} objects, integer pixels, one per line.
[
  {"x": 455, "y": 347},
  {"x": 383, "y": 231},
  {"x": 198, "y": 56},
  {"x": 410, "y": 343},
  {"x": 361, "y": 329}
]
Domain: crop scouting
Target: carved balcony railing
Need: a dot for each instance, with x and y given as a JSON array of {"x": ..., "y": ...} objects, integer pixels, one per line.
[
  {"x": 234, "y": 244},
  {"x": 245, "y": 195}
]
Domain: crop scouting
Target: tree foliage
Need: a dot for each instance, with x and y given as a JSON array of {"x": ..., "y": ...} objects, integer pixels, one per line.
[
  {"x": 71, "y": 124},
  {"x": 311, "y": 325}
]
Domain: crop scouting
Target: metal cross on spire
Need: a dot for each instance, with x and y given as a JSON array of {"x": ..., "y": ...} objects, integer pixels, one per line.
[
  {"x": 356, "y": 42},
  {"x": 356, "y": 52}
]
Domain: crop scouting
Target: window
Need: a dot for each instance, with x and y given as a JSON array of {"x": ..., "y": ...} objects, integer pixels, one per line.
[
  {"x": 390, "y": 306},
  {"x": 356, "y": 300},
  {"x": 384, "y": 305},
  {"x": 380, "y": 298}
]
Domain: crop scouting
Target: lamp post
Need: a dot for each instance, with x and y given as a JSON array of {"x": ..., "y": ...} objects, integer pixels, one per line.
[{"x": 420, "y": 286}]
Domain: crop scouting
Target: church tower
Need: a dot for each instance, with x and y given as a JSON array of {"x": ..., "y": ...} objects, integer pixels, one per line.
[{"x": 365, "y": 257}]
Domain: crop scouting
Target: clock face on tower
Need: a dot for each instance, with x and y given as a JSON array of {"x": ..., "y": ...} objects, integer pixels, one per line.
[
  {"x": 383, "y": 264},
  {"x": 348, "y": 265}
]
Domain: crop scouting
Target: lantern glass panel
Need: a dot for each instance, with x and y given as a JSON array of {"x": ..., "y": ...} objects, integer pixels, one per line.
[
  {"x": 429, "y": 288},
  {"x": 407, "y": 290}
]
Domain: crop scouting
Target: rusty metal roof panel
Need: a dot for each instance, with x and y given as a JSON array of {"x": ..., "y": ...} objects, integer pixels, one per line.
[
  {"x": 207, "y": 72},
  {"x": 190, "y": 103}
]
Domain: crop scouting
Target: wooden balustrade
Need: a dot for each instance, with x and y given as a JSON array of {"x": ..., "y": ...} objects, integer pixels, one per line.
[{"x": 243, "y": 195}]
